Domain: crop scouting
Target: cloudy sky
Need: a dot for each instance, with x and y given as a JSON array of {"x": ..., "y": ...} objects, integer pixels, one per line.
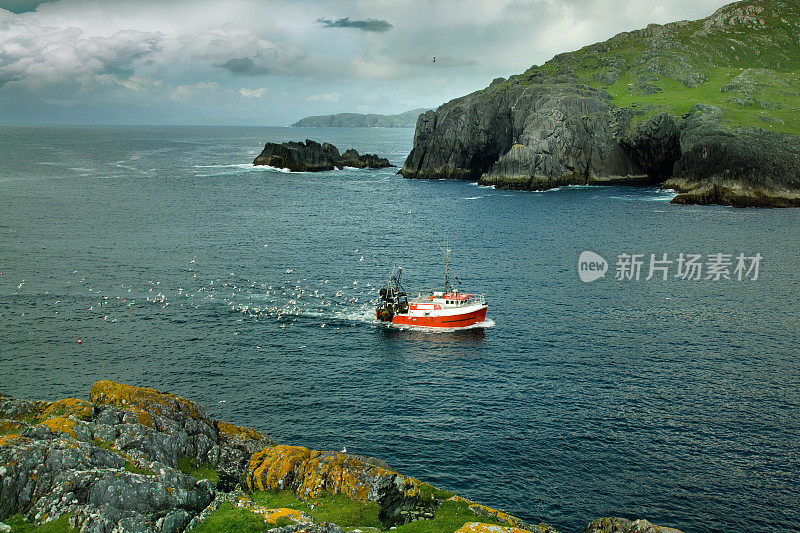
[{"x": 263, "y": 62}]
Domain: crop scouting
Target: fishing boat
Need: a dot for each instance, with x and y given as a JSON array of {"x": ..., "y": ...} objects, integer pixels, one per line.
[{"x": 446, "y": 308}]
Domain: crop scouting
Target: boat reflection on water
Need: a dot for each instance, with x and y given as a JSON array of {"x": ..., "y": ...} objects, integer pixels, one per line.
[{"x": 473, "y": 335}]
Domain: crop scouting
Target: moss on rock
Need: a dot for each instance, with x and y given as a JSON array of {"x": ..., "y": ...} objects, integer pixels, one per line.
[{"x": 143, "y": 400}]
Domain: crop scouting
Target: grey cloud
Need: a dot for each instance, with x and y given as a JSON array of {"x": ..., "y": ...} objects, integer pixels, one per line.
[
  {"x": 376, "y": 25},
  {"x": 118, "y": 54},
  {"x": 7, "y": 78},
  {"x": 244, "y": 66}
]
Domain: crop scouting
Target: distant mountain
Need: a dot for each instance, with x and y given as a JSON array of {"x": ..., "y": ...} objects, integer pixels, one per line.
[{"x": 357, "y": 120}]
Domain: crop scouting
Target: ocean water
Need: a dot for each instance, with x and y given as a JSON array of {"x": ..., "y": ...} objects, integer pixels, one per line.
[{"x": 180, "y": 266}]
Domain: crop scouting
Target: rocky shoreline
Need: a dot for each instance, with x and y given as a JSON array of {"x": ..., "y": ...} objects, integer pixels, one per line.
[
  {"x": 574, "y": 121},
  {"x": 136, "y": 459},
  {"x": 312, "y": 156}
]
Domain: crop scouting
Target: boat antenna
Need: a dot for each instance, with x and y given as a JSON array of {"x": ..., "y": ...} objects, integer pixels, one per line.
[{"x": 446, "y": 253}]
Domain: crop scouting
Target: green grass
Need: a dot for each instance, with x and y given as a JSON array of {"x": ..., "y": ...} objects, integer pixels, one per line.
[
  {"x": 677, "y": 99},
  {"x": 426, "y": 492},
  {"x": 336, "y": 508},
  {"x": 8, "y": 429},
  {"x": 105, "y": 444},
  {"x": 230, "y": 519},
  {"x": 20, "y": 525},
  {"x": 349, "y": 514},
  {"x": 686, "y": 49},
  {"x": 31, "y": 419},
  {"x": 450, "y": 517},
  {"x": 187, "y": 465},
  {"x": 133, "y": 468}
]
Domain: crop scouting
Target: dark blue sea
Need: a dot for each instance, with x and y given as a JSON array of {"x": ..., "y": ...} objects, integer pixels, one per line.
[{"x": 182, "y": 267}]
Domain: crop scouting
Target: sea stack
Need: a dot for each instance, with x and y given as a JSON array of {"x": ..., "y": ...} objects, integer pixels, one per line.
[{"x": 312, "y": 156}]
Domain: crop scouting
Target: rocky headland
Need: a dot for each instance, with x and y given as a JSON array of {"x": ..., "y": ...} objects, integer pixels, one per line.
[
  {"x": 135, "y": 459},
  {"x": 359, "y": 120},
  {"x": 708, "y": 108},
  {"x": 312, "y": 156}
]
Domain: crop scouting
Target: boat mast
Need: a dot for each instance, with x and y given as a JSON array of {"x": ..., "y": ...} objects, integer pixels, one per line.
[{"x": 446, "y": 255}]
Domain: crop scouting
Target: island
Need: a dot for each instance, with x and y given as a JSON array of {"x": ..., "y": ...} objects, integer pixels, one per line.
[
  {"x": 358, "y": 120},
  {"x": 708, "y": 108},
  {"x": 312, "y": 156},
  {"x": 137, "y": 459}
]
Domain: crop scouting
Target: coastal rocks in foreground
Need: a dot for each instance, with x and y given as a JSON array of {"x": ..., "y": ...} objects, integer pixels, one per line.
[
  {"x": 136, "y": 459},
  {"x": 623, "y": 525},
  {"x": 312, "y": 156}
]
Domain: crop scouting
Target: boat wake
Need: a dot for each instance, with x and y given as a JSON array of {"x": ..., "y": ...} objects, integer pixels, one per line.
[
  {"x": 288, "y": 301},
  {"x": 295, "y": 301}
]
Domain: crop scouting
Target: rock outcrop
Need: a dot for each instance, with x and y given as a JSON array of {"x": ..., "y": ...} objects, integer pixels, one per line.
[
  {"x": 575, "y": 120},
  {"x": 742, "y": 167},
  {"x": 113, "y": 463},
  {"x": 315, "y": 157},
  {"x": 623, "y": 525},
  {"x": 131, "y": 459},
  {"x": 309, "y": 473}
]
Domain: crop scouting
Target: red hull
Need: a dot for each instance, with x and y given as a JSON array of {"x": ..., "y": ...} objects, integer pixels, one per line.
[{"x": 447, "y": 321}]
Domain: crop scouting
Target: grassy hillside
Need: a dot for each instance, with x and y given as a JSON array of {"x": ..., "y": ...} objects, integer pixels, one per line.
[{"x": 744, "y": 58}]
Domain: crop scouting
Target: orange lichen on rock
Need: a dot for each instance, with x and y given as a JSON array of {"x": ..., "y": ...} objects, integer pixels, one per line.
[
  {"x": 273, "y": 515},
  {"x": 80, "y": 409},
  {"x": 411, "y": 486},
  {"x": 480, "y": 509},
  {"x": 6, "y": 439},
  {"x": 143, "y": 399},
  {"x": 479, "y": 527},
  {"x": 143, "y": 417},
  {"x": 59, "y": 424},
  {"x": 272, "y": 468},
  {"x": 229, "y": 430},
  {"x": 309, "y": 473}
]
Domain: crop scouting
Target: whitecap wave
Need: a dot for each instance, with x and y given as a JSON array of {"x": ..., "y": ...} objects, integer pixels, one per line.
[
  {"x": 663, "y": 195},
  {"x": 246, "y": 167}
]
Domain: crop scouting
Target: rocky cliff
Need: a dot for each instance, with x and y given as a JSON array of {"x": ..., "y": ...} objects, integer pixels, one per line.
[
  {"x": 358, "y": 120},
  {"x": 315, "y": 157},
  {"x": 136, "y": 459},
  {"x": 706, "y": 107}
]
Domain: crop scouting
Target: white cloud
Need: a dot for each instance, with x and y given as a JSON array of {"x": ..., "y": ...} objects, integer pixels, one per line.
[
  {"x": 329, "y": 97},
  {"x": 253, "y": 93},
  {"x": 203, "y": 89}
]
